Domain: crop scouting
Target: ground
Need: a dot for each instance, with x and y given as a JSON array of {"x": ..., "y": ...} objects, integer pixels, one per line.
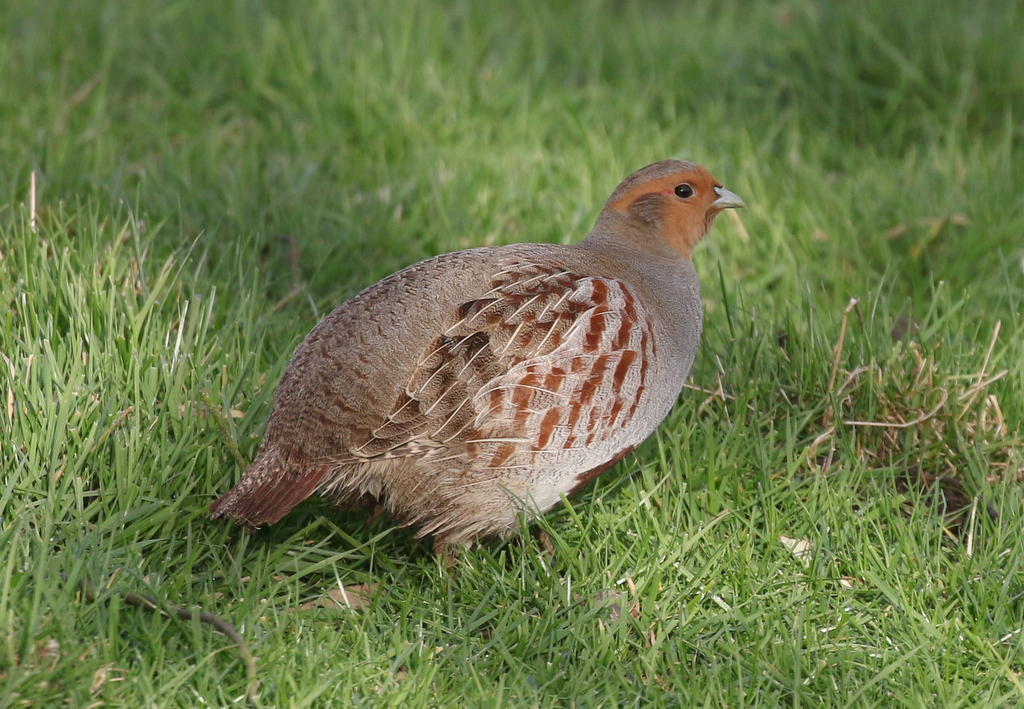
[{"x": 810, "y": 527}]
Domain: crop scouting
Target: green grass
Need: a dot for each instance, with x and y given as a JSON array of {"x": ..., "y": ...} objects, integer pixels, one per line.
[{"x": 214, "y": 177}]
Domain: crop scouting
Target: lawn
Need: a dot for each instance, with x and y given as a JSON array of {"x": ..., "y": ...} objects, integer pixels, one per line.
[{"x": 830, "y": 517}]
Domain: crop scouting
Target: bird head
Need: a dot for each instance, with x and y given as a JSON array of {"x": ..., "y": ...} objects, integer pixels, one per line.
[{"x": 679, "y": 199}]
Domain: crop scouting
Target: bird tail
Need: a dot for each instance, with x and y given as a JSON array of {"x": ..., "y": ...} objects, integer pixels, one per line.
[{"x": 267, "y": 491}]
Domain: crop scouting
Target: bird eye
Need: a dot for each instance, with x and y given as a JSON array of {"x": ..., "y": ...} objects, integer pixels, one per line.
[{"x": 684, "y": 191}]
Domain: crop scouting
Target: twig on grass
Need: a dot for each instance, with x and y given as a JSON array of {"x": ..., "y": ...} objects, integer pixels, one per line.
[
  {"x": 718, "y": 392},
  {"x": 812, "y": 450},
  {"x": 839, "y": 345},
  {"x": 292, "y": 292},
  {"x": 141, "y": 600},
  {"x": 973, "y": 392},
  {"x": 904, "y": 424},
  {"x": 838, "y": 353}
]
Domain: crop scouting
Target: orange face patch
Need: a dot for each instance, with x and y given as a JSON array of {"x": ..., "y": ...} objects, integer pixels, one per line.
[
  {"x": 683, "y": 222},
  {"x": 662, "y": 185}
]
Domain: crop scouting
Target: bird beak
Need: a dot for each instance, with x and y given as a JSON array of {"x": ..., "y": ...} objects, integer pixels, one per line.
[{"x": 727, "y": 199}]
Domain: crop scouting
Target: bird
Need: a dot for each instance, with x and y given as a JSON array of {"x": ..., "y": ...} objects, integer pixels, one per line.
[{"x": 477, "y": 386}]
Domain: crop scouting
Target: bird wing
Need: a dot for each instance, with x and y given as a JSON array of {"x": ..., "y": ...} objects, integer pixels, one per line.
[{"x": 543, "y": 364}]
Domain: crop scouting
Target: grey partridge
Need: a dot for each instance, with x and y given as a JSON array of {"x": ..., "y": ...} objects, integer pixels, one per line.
[{"x": 478, "y": 385}]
